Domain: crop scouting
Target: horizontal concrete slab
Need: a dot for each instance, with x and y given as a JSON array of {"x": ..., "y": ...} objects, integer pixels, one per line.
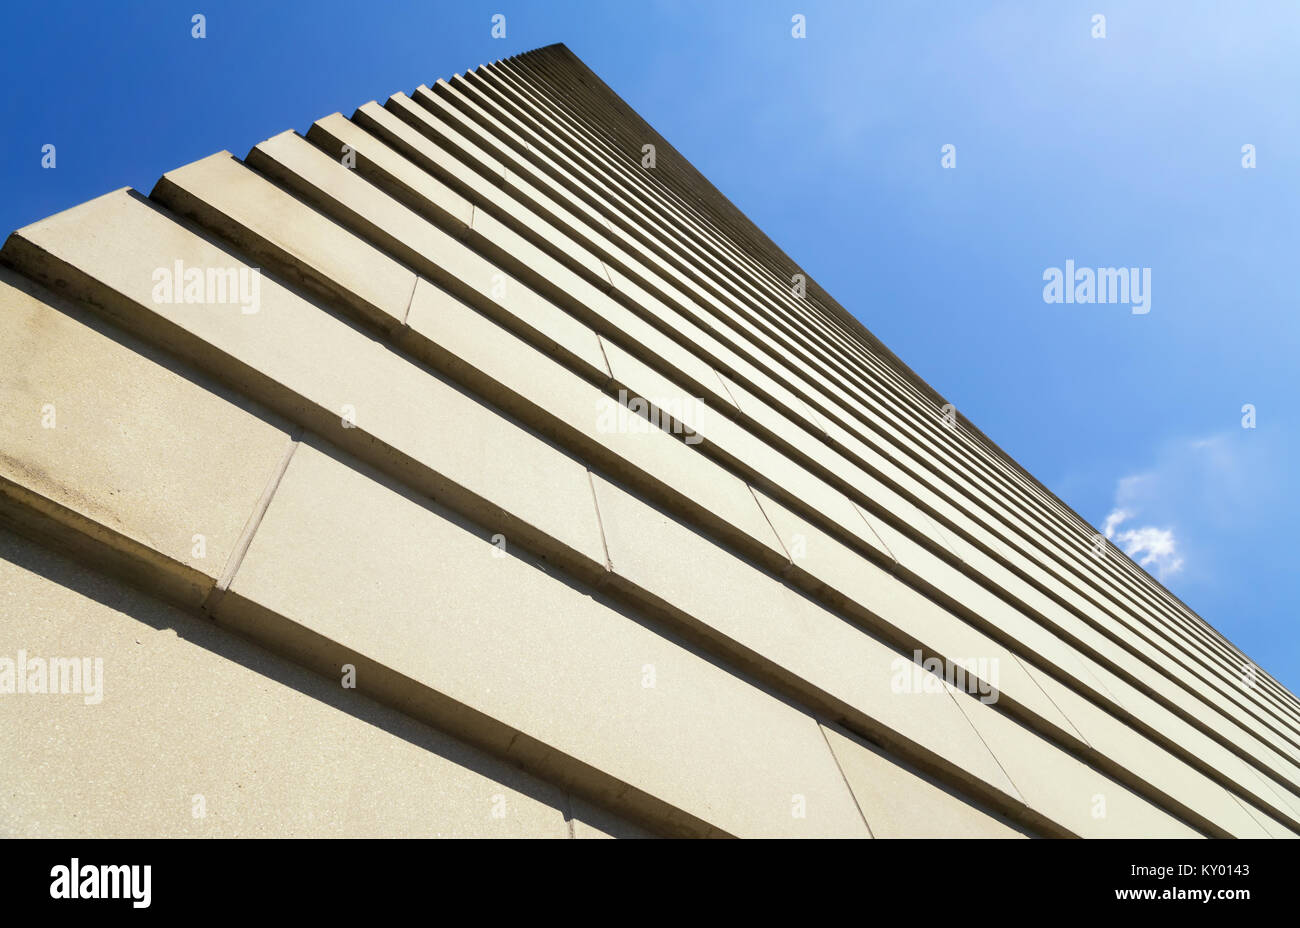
[
  {"x": 275, "y": 228},
  {"x": 901, "y": 803},
  {"x": 1083, "y": 800},
  {"x": 116, "y": 441},
  {"x": 357, "y": 391},
  {"x": 198, "y": 733},
  {"x": 578, "y": 415},
  {"x": 827, "y": 662},
  {"x": 871, "y": 595},
  {"x": 508, "y": 654}
]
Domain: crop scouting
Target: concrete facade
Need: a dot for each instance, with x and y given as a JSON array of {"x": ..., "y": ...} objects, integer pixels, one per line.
[{"x": 443, "y": 471}]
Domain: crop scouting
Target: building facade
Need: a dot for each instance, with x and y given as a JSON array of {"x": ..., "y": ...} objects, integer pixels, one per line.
[{"x": 471, "y": 467}]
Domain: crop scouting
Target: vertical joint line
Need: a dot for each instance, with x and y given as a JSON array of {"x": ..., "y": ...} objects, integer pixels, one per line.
[
  {"x": 254, "y": 522},
  {"x": 410, "y": 301},
  {"x": 1019, "y": 793},
  {"x": 821, "y": 727},
  {"x": 600, "y": 523},
  {"x": 872, "y": 529},
  {"x": 779, "y": 540},
  {"x": 609, "y": 369}
]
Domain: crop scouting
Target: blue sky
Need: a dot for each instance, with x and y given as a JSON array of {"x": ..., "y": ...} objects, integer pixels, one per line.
[{"x": 1122, "y": 151}]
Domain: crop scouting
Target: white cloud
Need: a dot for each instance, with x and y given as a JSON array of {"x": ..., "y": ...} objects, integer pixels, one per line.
[
  {"x": 1196, "y": 497},
  {"x": 1114, "y": 519},
  {"x": 1152, "y": 547}
]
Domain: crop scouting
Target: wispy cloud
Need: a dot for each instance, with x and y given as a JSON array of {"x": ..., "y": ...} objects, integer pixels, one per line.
[
  {"x": 1114, "y": 519},
  {"x": 1177, "y": 512},
  {"x": 1153, "y": 548}
]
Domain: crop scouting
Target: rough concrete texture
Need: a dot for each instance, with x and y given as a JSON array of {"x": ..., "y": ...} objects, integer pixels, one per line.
[
  {"x": 513, "y": 654},
  {"x": 902, "y": 803},
  {"x": 104, "y": 434},
  {"x": 202, "y": 734}
]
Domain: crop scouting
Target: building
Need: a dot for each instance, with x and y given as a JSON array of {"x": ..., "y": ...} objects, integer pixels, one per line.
[{"x": 472, "y": 467}]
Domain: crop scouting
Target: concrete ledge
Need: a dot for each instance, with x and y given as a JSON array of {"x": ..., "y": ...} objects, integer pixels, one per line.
[
  {"x": 106, "y": 445},
  {"x": 360, "y": 394},
  {"x": 513, "y": 658}
]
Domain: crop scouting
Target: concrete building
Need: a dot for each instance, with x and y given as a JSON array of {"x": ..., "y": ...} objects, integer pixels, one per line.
[{"x": 470, "y": 466}]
